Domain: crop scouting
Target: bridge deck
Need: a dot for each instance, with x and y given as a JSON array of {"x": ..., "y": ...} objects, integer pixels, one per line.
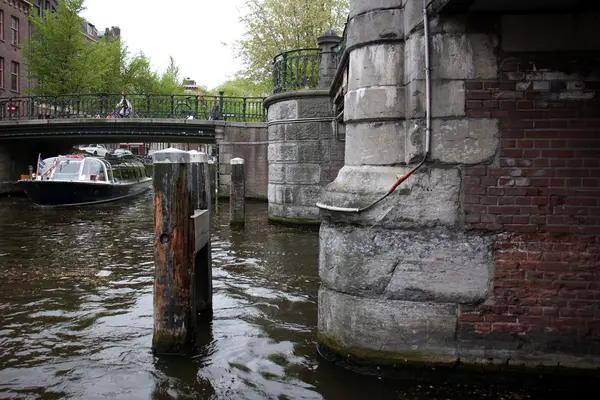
[{"x": 200, "y": 131}]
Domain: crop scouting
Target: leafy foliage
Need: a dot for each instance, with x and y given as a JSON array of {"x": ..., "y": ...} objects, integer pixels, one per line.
[
  {"x": 62, "y": 61},
  {"x": 57, "y": 55},
  {"x": 241, "y": 87},
  {"x": 275, "y": 26}
]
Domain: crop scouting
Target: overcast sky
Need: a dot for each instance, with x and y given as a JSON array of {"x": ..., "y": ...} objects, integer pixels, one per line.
[{"x": 192, "y": 31}]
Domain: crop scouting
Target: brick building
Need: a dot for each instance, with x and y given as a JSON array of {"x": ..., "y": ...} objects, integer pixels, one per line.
[{"x": 14, "y": 29}]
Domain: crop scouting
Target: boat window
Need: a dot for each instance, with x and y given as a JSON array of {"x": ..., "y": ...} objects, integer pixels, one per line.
[
  {"x": 109, "y": 170},
  {"x": 67, "y": 169},
  {"x": 93, "y": 169},
  {"x": 117, "y": 172}
]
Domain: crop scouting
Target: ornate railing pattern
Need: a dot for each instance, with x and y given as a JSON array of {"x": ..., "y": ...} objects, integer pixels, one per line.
[
  {"x": 296, "y": 69},
  {"x": 203, "y": 107}
]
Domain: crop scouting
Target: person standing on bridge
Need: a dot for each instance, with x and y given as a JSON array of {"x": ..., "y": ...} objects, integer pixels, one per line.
[
  {"x": 215, "y": 113},
  {"x": 124, "y": 105}
]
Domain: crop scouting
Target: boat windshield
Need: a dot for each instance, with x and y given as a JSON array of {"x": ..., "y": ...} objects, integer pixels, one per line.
[
  {"x": 93, "y": 170},
  {"x": 67, "y": 169}
]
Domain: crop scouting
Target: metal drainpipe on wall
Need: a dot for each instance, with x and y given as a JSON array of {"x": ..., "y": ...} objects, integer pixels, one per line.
[{"x": 427, "y": 128}]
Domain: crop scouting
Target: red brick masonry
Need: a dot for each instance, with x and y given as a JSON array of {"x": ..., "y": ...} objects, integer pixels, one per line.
[
  {"x": 544, "y": 283},
  {"x": 542, "y": 190}
]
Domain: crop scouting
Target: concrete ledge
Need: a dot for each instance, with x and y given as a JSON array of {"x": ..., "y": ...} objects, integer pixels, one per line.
[
  {"x": 296, "y": 94},
  {"x": 386, "y": 331},
  {"x": 385, "y": 335},
  {"x": 293, "y": 214},
  {"x": 429, "y": 265},
  {"x": 542, "y": 351},
  {"x": 427, "y": 199},
  {"x": 293, "y": 221}
]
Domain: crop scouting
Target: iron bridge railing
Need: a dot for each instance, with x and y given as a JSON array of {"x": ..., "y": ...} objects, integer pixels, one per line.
[
  {"x": 202, "y": 107},
  {"x": 296, "y": 69}
]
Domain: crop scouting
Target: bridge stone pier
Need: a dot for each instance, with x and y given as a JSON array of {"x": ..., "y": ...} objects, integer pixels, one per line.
[
  {"x": 305, "y": 152},
  {"x": 488, "y": 253}
]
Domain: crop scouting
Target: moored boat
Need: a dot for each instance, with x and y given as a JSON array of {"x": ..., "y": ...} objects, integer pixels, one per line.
[{"x": 70, "y": 180}]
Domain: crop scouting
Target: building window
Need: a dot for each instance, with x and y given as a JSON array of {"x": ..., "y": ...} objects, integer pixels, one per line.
[
  {"x": 14, "y": 76},
  {"x": 14, "y": 27},
  {"x": 1, "y": 72},
  {"x": 1, "y": 25}
]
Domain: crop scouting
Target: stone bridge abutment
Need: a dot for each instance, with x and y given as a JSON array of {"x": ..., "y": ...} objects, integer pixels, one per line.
[{"x": 488, "y": 253}]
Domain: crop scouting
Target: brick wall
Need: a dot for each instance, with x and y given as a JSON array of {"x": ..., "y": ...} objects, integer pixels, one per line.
[
  {"x": 542, "y": 191},
  {"x": 544, "y": 284},
  {"x": 548, "y": 170},
  {"x": 19, "y": 9}
]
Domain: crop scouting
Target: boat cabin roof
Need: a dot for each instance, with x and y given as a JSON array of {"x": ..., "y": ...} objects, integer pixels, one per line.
[{"x": 77, "y": 167}]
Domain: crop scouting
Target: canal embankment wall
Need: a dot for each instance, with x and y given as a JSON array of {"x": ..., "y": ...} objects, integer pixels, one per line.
[{"x": 250, "y": 142}]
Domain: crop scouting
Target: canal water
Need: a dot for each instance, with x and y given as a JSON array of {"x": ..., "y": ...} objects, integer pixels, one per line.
[{"x": 76, "y": 314}]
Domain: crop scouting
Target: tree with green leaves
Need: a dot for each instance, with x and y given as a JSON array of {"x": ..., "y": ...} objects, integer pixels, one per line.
[
  {"x": 109, "y": 56},
  {"x": 57, "y": 55},
  {"x": 169, "y": 82},
  {"x": 275, "y": 26},
  {"x": 240, "y": 87}
]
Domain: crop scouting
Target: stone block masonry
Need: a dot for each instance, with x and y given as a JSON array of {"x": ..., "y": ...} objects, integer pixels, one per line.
[
  {"x": 487, "y": 254},
  {"x": 303, "y": 153}
]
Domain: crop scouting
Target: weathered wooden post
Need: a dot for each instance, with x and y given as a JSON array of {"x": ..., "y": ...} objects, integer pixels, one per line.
[
  {"x": 181, "y": 232},
  {"x": 237, "y": 193}
]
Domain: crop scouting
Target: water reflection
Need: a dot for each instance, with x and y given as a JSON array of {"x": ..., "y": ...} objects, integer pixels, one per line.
[{"x": 76, "y": 314}]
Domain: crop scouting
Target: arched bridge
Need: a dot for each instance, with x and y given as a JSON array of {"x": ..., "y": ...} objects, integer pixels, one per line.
[
  {"x": 98, "y": 117},
  {"x": 52, "y": 125}
]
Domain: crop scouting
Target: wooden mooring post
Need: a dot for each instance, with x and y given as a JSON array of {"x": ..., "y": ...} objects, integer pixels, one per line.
[
  {"x": 237, "y": 194},
  {"x": 182, "y": 261}
]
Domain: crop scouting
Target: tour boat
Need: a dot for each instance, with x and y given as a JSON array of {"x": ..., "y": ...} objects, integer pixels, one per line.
[{"x": 71, "y": 180}]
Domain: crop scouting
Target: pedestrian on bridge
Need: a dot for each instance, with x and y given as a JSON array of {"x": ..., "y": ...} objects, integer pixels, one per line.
[
  {"x": 124, "y": 105},
  {"x": 216, "y": 111}
]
